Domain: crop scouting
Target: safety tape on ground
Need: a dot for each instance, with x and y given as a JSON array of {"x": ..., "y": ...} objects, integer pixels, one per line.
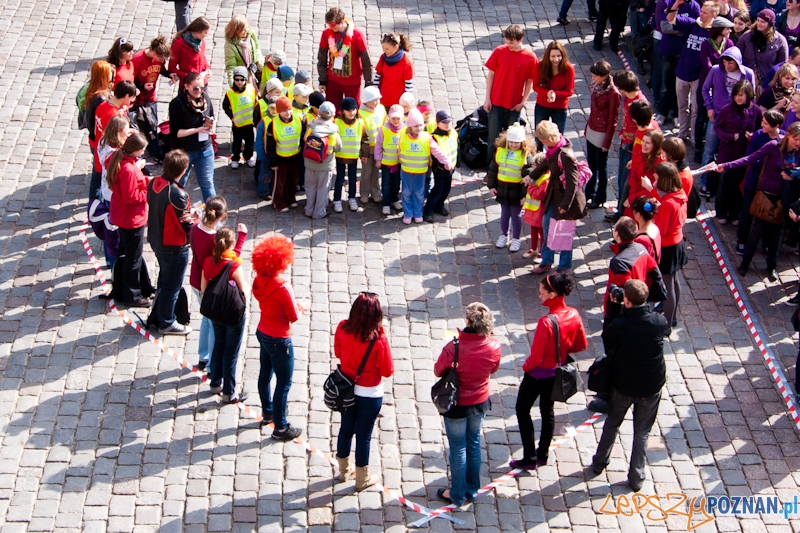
[{"x": 570, "y": 434}]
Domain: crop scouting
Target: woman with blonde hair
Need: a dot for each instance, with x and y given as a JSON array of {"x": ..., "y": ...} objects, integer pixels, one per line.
[{"x": 242, "y": 50}]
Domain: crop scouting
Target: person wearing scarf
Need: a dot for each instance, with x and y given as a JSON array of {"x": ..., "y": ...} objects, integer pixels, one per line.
[
  {"x": 242, "y": 49},
  {"x": 342, "y": 59},
  {"x": 762, "y": 47},
  {"x": 779, "y": 94},
  {"x": 394, "y": 74},
  {"x": 188, "y": 52},
  {"x": 599, "y": 131}
]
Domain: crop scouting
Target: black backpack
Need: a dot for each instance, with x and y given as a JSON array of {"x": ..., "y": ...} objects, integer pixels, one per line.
[{"x": 223, "y": 303}]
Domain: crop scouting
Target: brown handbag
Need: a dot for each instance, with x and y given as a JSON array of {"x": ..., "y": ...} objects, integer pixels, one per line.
[{"x": 762, "y": 207}]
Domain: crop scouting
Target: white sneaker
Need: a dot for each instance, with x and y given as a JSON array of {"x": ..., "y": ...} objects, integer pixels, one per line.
[
  {"x": 502, "y": 241},
  {"x": 398, "y": 206},
  {"x": 337, "y": 206},
  {"x": 515, "y": 245},
  {"x": 175, "y": 329},
  {"x": 386, "y": 210},
  {"x": 234, "y": 164},
  {"x": 660, "y": 119},
  {"x": 353, "y": 204},
  {"x": 251, "y": 163}
]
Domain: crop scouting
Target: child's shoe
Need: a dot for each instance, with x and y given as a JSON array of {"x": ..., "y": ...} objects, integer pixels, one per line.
[
  {"x": 398, "y": 206},
  {"x": 501, "y": 241},
  {"x": 337, "y": 206},
  {"x": 529, "y": 253},
  {"x": 515, "y": 245},
  {"x": 386, "y": 210},
  {"x": 234, "y": 164},
  {"x": 251, "y": 163},
  {"x": 418, "y": 220},
  {"x": 406, "y": 220},
  {"x": 353, "y": 204}
]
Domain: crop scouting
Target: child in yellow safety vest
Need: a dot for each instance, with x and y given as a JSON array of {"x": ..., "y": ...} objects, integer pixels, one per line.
[
  {"x": 271, "y": 66},
  {"x": 513, "y": 159},
  {"x": 355, "y": 145},
  {"x": 300, "y": 108},
  {"x": 415, "y": 149},
  {"x": 274, "y": 89},
  {"x": 374, "y": 115},
  {"x": 532, "y": 212},
  {"x": 263, "y": 172},
  {"x": 446, "y": 138},
  {"x": 387, "y": 159},
  {"x": 427, "y": 110},
  {"x": 284, "y": 147},
  {"x": 238, "y": 104}
]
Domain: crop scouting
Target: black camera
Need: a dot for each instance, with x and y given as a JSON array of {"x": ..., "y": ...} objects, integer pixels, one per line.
[{"x": 616, "y": 293}]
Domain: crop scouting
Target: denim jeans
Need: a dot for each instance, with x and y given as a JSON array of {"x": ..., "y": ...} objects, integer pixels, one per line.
[
  {"x": 700, "y": 124},
  {"x": 277, "y": 356},
  {"x": 264, "y": 179},
  {"x": 225, "y": 355},
  {"x": 413, "y": 194},
  {"x": 529, "y": 390},
  {"x": 500, "y": 119},
  {"x": 464, "y": 439},
  {"x": 442, "y": 181},
  {"x": 183, "y": 13},
  {"x": 352, "y": 180},
  {"x": 711, "y": 148},
  {"x": 390, "y": 186},
  {"x": 591, "y": 5},
  {"x": 548, "y": 255},
  {"x": 557, "y": 116},
  {"x": 206, "y": 341},
  {"x": 203, "y": 163},
  {"x": 359, "y": 420},
  {"x": 598, "y": 162},
  {"x": 171, "y": 269},
  {"x": 625, "y": 155},
  {"x": 644, "y": 415}
]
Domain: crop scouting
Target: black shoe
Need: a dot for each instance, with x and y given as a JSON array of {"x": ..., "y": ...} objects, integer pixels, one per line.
[
  {"x": 598, "y": 406},
  {"x": 613, "y": 218},
  {"x": 772, "y": 275},
  {"x": 636, "y": 487},
  {"x": 595, "y": 204},
  {"x": 441, "y": 496},
  {"x": 428, "y": 218},
  {"x": 742, "y": 270},
  {"x": 267, "y": 420},
  {"x": 592, "y": 18},
  {"x": 563, "y": 21},
  {"x": 201, "y": 366},
  {"x": 139, "y": 302},
  {"x": 740, "y": 249},
  {"x": 442, "y": 211},
  {"x": 287, "y": 433},
  {"x": 524, "y": 464},
  {"x": 234, "y": 398},
  {"x": 667, "y": 331},
  {"x": 597, "y": 47},
  {"x": 597, "y": 469},
  {"x": 794, "y": 301}
]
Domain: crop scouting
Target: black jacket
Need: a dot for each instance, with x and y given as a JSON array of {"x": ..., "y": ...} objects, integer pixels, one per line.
[
  {"x": 163, "y": 195},
  {"x": 634, "y": 344},
  {"x": 183, "y": 117}
]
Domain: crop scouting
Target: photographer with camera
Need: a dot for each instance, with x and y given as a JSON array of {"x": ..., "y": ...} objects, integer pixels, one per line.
[{"x": 634, "y": 345}]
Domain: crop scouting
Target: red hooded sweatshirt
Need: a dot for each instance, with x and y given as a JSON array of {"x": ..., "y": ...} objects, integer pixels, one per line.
[
  {"x": 278, "y": 308},
  {"x": 671, "y": 216}
]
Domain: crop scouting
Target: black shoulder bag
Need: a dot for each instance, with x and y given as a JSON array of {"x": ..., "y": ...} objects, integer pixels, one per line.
[
  {"x": 223, "y": 303},
  {"x": 444, "y": 392},
  {"x": 339, "y": 389},
  {"x": 567, "y": 379}
]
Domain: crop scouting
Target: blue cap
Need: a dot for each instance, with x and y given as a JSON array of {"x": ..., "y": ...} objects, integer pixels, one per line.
[{"x": 285, "y": 73}]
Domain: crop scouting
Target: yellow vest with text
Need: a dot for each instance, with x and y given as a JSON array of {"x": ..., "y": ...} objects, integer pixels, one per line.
[
  {"x": 242, "y": 105},
  {"x": 300, "y": 112},
  {"x": 263, "y": 107},
  {"x": 448, "y": 144},
  {"x": 373, "y": 121},
  {"x": 267, "y": 123},
  {"x": 415, "y": 154},
  {"x": 267, "y": 74},
  {"x": 391, "y": 142},
  {"x": 532, "y": 204},
  {"x": 509, "y": 165},
  {"x": 351, "y": 138},
  {"x": 287, "y": 136}
]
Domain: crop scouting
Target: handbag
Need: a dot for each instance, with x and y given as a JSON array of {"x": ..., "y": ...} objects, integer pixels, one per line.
[
  {"x": 339, "y": 389},
  {"x": 223, "y": 303},
  {"x": 567, "y": 380},
  {"x": 762, "y": 207},
  {"x": 560, "y": 234},
  {"x": 444, "y": 392},
  {"x": 598, "y": 376}
]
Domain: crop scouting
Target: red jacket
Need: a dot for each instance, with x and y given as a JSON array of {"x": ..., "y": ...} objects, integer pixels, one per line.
[
  {"x": 478, "y": 358},
  {"x": 604, "y": 114},
  {"x": 671, "y": 216},
  {"x": 184, "y": 60},
  {"x": 351, "y": 352},
  {"x": 129, "y": 196},
  {"x": 278, "y": 308},
  {"x": 631, "y": 261},
  {"x": 572, "y": 338},
  {"x": 394, "y": 78}
]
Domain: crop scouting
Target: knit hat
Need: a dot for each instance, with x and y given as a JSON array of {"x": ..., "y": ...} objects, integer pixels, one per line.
[
  {"x": 396, "y": 111},
  {"x": 414, "y": 118},
  {"x": 349, "y": 104},
  {"x": 327, "y": 110},
  {"x": 721, "y": 22},
  {"x": 408, "y": 99},
  {"x": 278, "y": 57},
  {"x": 370, "y": 93},
  {"x": 240, "y": 71},
  {"x": 302, "y": 89},
  {"x": 283, "y": 104},
  {"x": 443, "y": 116},
  {"x": 316, "y": 99},
  {"x": 274, "y": 83},
  {"x": 285, "y": 73},
  {"x": 302, "y": 76},
  {"x": 767, "y": 15},
  {"x": 516, "y": 133}
]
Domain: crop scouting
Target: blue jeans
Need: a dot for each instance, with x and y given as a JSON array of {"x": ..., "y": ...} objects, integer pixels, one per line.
[
  {"x": 352, "y": 179},
  {"x": 225, "y": 355},
  {"x": 206, "y": 341},
  {"x": 390, "y": 186},
  {"x": 464, "y": 438},
  {"x": 413, "y": 194},
  {"x": 277, "y": 356},
  {"x": 548, "y": 255},
  {"x": 591, "y": 5},
  {"x": 557, "y": 116},
  {"x": 625, "y": 155},
  {"x": 171, "y": 268},
  {"x": 712, "y": 146},
  {"x": 500, "y": 119},
  {"x": 359, "y": 420},
  {"x": 264, "y": 179},
  {"x": 203, "y": 163}
]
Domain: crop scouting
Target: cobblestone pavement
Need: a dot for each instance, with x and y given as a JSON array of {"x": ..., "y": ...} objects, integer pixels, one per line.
[{"x": 103, "y": 433}]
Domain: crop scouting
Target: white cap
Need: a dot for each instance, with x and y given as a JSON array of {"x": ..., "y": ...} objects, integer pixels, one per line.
[
  {"x": 516, "y": 133},
  {"x": 280, "y": 56},
  {"x": 274, "y": 83},
  {"x": 408, "y": 99},
  {"x": 370, "y": 93},
  {"x": 301, "y": 89},
  {"x": 327, "y": 110}
]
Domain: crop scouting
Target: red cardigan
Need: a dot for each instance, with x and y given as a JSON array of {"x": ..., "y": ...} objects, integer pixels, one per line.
[
  {"x": 183, "y": 59},
  {"x": 129, "y": 196},
  {"x": 671, "y": 217},
  {"x": 563, "y": 84},
  {"x": 478, "y": 358},
  {"x": 351, "y": 352}
]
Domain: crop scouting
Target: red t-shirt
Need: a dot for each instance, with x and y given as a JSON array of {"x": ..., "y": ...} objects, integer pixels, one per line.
[
  {"x": 511, "y": 71},
  {"x": 563, "y": 84},
  {"x": 124, "y": 73},
  {"x": 628, "y": 130},
  {"x": 351, "y": 352},
  {"x": 105, "y": 112},
  {"x": 351, "y": 71},
  {"x": 211, "y": 269},
  {"x": 393, "y": 79},
  {"x": 145, "y": 70}
]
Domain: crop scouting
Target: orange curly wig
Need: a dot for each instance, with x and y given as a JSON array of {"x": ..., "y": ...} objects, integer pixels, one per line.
[{"x": 273, "y": 255}]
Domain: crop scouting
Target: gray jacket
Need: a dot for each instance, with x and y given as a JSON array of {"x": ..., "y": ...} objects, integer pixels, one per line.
[{"x": 324, "y": 128}]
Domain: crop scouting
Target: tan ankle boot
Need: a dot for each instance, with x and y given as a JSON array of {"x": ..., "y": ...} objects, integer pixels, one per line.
[
  {"x": 345, "y": 470},
  {"x": 363, "y": 480}
]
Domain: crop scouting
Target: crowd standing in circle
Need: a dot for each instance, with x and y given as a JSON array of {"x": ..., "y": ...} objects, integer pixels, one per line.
[{"x": 729, "y": 88}]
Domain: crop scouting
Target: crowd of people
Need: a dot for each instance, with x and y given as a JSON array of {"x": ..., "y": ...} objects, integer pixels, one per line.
[{"x": 728, "y": 94}]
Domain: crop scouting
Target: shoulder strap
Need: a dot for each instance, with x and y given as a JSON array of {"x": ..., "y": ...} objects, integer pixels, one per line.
[
  {"x": 761, "y": 175},
  {"x": 226, "y": 271},
  {"x": 554, "y": 322},
  {"x": 364, "y": 360},
  {"x": 455, "y": 354}
]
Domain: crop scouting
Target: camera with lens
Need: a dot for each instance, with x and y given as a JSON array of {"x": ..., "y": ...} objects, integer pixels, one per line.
[{"x": 616, "y": 293}]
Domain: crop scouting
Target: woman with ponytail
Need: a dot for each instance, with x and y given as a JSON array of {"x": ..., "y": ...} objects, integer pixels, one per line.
[{"x": 394, "y": 74}]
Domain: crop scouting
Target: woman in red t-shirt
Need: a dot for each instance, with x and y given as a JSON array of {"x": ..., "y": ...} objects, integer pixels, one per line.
[
  {"x": 227, "y": 340},
  {"x": 554, "y": 83},
  {"x": 120, "y": 55},
  {"x": 394, "y": 74},
  {"x": 360, "y": 336}
]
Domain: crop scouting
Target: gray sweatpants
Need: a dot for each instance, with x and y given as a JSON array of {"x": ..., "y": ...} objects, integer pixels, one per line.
[
  {"x": 317, "y": 186},
  {"x": 370, "y": 181}
]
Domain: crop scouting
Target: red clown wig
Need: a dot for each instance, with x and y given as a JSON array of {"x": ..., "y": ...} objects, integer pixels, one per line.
[{"x": 273, "y": 255}]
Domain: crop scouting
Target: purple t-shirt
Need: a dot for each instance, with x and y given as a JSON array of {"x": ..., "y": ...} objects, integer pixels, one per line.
[{"x": 689, "y": 64}]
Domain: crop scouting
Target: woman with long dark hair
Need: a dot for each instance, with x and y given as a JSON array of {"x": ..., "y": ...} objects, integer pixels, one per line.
[
  {"x": 554, "y": 83},
  {"x": 762, "y": 47},
  {"x": 121, "y": 55},
  {"x": 352, "y": 341},
  {"x": 599, "y": 131},
  {"x": 188, "y": 52}
]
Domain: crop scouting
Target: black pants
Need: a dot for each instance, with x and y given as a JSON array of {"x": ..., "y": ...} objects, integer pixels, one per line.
[
  {"x": 244, "y": 134},
  {"x": 529, "y": 390},
  {"x": 598, "y": 162},
  {"x": 617, "y": 17},
  {"x": 669, "y": 104},
  {"x": 132, "y": 244},
  {"x": 771, "y": 235},
  {"x": 745, "y": 219},
  {"x": 729, "y": 197},
  {"x": 442, "y": 181},
  {"x": 700, "y": 125}
]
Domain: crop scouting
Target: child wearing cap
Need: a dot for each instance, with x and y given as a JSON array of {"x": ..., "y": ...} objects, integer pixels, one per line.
[
  {"x": 415, "y": 148},
  {"x": 274, "y": 89},
  {"x": 286, "y": 75},
  {"x": 355, "y": 144},
  {"x": 408, "y": 101},
  {"x": 238, "y": 104},
  {"x": 271, "y": 66},
  {"x": 284, "y": 140},
  {"x": 446, "y": 137},
  {"x": 263, "y": 172},
  {"x": 300, "y": 103},
  {"x": 304, "y": 78},
  {"x": 387, "y": 159},
  {"x": 315, "y": 100},
  {"x": 513, "y": 159},
  {"x": 425, "y": 107},
  {"x": 374, "y": 115},
  {"x": 319, "y": 161},
  {"x": 242, "y": 49}
]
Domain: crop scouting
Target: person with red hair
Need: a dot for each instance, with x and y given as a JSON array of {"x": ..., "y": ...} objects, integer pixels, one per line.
[
  {"x": 275, "y": 296},
  {"x": 360, "y": 342}
]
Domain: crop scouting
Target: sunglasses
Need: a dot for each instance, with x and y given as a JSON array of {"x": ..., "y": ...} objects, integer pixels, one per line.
[
  {"x": 196, "y": 88},
  {"x": 239, "y": 79}
]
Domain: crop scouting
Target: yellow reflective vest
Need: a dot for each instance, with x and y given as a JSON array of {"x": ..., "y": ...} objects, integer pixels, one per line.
[
  {"x": 391, "y": 143},
  {"x": 351, "y": 138},
  {"x": 532, "y": 204},
  {"x": 287, "y": 136},
  {"x": 509, "y": 165},
  {"x": 448, "y": 144},
  {"x": 415, "y": 154},
  {"x": 242, "y": 105},
  {"x": 373, "y": 121}
]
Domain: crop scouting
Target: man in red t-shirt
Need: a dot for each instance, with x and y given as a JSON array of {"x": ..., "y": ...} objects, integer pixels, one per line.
[
  {"x": 508, "y": 85},
  {"x": 117, "y": 105},
  {"x": 148, "y": 64},
  {"x": 342, "y": 59}
]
